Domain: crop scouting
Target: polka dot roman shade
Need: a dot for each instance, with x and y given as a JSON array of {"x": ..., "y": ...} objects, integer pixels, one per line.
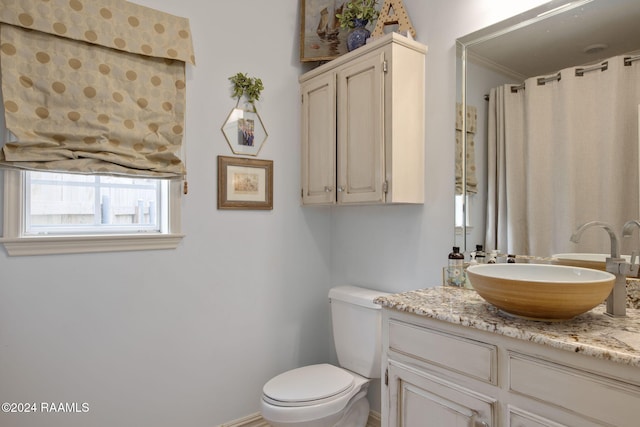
[
  {"x": 472, "y": 125},
  {"x": 93, "y": 86}
]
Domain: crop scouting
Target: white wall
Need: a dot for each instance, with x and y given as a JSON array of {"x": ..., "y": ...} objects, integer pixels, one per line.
[
  {"x": 399, "y": 248},
  {"x": 405, "y": 247},
  {"x": 188, "y": 337}
]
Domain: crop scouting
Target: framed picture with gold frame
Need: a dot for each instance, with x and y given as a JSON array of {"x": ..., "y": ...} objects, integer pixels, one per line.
[
  {"x": 245, "y": 183},
  {"x": 244, "y": 131},
  {"x": 321, "y": 38}
]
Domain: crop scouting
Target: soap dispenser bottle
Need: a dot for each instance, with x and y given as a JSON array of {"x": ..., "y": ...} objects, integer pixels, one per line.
[
  {"x": 473, "y": 259},
  {"x": 472, "y": 262},
  {"x": 480, "y": 255},
  {"x": 455, "y": 268}
]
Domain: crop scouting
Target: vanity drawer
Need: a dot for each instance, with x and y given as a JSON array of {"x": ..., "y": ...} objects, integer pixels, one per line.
[
  {"x": 472, "y": 358},
  {"x": 573, "y": 390},
  {"x": 519, "y": 418}
]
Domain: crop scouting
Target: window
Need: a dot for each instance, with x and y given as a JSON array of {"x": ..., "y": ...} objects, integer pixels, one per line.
[
  {"x": 121, "y": 84},
  {"x": 47, "y": 213},
  {"x": 57, "y": 203},
  {"x": 461, "y": 212}
]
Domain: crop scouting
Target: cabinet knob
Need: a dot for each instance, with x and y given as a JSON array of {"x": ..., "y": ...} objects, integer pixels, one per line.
[
  {"x": 340, "y": 189},
  {"x": 476, "y": 423},
  {"x": 328, "y": 189}
]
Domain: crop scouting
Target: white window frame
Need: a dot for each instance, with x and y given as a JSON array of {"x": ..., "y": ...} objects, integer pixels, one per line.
[
  {"x": 17, "y": 244},
  {"x": 459, "y": 212}
]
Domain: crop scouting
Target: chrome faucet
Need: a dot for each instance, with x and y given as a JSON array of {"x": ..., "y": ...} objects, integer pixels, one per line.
[
  {"x": 627, "y": 231},
  {"x": 615, "y": 251},
  {"x": 617, "y": 299}
]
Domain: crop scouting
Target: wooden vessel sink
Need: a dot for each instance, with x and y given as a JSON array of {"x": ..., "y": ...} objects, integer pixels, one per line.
[
  {"x": 541, "y": 291},
  {"x": 586, "y": 260}
]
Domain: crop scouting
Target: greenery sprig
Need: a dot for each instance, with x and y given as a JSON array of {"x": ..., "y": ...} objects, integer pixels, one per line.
[
  {"x": 250, "y": 87},
  {"x": 357, "y": 9}
]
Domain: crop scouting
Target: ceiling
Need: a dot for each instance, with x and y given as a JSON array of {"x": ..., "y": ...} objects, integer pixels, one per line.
[{"x": 530, "y": 45}]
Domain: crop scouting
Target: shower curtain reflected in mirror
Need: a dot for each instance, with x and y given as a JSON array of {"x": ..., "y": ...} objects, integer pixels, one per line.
[{"x": 560, "y": 154}]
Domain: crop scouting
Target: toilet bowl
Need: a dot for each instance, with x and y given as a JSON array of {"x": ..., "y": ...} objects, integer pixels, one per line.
[
  {"x": 324, "y": 395},
  {"x": 316, "y": 396}
]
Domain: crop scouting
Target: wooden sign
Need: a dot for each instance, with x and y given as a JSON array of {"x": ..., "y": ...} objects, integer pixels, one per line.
[{"x": 393, "y": 13}]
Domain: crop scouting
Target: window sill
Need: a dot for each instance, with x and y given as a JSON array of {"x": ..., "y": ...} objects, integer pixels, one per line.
[
  {"x": 469, "y": 229},
  {"x": 49, "y": 245}
]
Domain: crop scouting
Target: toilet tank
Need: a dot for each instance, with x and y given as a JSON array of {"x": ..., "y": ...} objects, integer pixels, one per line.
[{"x": 357, "y": 324}]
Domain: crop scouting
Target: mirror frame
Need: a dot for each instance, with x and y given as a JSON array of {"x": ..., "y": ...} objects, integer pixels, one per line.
[{"x": 463, "y": 46}]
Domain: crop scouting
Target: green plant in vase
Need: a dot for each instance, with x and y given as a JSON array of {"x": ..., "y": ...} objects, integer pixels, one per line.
[
  {"x": 363, "y": 10},
  {"x": 355, "y": 15},
  {"x": 249, "y": 87}
]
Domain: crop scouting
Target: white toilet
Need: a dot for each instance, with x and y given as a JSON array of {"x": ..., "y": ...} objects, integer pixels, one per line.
[{"x": 325, "y": 395}]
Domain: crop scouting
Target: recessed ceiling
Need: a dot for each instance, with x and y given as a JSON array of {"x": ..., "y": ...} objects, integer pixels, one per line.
[{"x": 584, "y": 33}]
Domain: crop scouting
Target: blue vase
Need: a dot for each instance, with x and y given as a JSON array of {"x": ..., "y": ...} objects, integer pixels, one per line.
[{"x": 359, "y": 35}]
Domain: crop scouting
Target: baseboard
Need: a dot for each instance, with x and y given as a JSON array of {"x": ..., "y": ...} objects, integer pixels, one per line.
[
  {"x": 256, "y": 420},
  {"x": 374, "y": 419}
]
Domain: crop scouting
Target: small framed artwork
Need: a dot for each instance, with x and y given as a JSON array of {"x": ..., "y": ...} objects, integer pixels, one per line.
[
  {"x": 244, "y": 131},
  {"x": 321, "y": 38},
  {"x": 245, "y": 183}
]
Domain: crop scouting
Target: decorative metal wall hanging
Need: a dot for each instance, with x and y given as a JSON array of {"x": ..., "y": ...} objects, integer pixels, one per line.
[{"x": 244, "y": 131}]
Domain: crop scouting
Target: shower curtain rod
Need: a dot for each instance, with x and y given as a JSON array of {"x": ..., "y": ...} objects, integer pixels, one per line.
[
  {"x": 602, "y": 67},
  {"x": 541, "y": 82},
  {"x": 629, "y": 59},
  {"x": 515, "y": 89},
  {"x": 579, "y": 73},
  {"x": 544, "y": 80}
]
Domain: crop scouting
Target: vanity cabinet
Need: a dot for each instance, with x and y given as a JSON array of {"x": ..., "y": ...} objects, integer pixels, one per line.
[
  {"x": 421, "y": 399},
  {"x": 438, "y": 373},
  {"x": 363, "y": 125}
]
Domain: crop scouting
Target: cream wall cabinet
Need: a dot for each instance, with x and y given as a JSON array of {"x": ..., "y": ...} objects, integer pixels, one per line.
[
  {"x": 442, "y": 374},
  {"x": 363, "y": 125}
]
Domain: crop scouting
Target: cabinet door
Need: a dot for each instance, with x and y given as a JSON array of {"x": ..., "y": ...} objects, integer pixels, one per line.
[
  {"x": 361, "y": 130},
  {"x": 319, "y": 140},
  {"x": 419, "y": 399}
]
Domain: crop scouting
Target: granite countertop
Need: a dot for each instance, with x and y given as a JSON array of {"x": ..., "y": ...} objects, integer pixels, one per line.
[{"x": 592, "y": 333}]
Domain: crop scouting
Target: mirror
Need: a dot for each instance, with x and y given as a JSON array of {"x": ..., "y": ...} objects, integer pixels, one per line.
[{"x": 540, "y": 42}]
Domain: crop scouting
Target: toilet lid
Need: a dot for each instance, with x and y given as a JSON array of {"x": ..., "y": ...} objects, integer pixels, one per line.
[{"x": 308, "y": 384}]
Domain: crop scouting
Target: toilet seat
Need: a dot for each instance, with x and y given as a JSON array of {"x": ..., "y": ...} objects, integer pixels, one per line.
[
  {"x": 324, "y": 412},
  {"x": 309, "y": 385}
]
